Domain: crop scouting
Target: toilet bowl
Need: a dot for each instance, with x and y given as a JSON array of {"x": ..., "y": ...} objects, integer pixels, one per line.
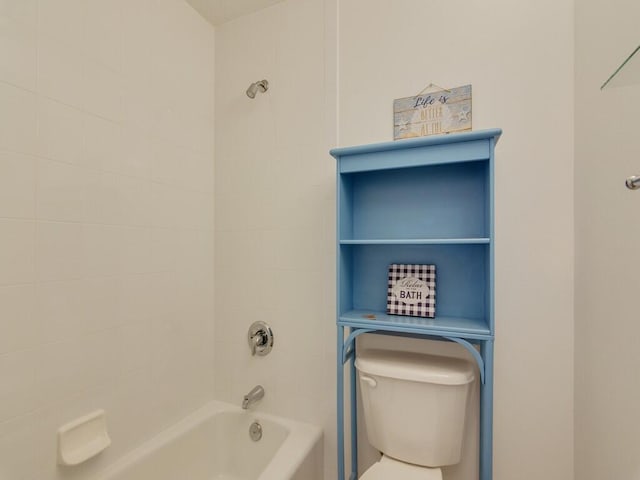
[
  {"x": 389, "y": 469},
  {"x": 414, "y": 410}
]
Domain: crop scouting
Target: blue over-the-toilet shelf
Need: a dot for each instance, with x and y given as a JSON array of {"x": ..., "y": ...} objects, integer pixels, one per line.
[{"x": 427, "y": 200}]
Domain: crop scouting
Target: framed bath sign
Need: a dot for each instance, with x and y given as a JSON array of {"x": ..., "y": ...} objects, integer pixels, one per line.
[
  {"x": 430, "y": 113},
  {"x": 411, "y": 290}
]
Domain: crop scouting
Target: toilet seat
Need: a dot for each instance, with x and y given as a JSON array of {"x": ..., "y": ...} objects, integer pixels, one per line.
[{"x": 388, "y": 468}]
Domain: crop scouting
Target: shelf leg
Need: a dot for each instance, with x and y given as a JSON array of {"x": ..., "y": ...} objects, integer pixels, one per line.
[
  {"x": 486, "y": 413},
  {"x": 354, "y": 414},
  {"x": 340, "y": 404}
]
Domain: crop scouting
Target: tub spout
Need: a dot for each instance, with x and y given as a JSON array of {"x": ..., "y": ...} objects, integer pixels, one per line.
[{"x": 253, "y": 396}]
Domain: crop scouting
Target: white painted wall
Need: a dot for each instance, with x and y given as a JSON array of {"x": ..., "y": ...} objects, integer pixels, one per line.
[
  {"x": 519, "y": 58},
  {"x": 607, "y": 394},
  {"x": 106, "y": 223}
]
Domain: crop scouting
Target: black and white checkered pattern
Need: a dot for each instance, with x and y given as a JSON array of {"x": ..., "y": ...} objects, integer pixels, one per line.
[{"x": 426, "y": 273}]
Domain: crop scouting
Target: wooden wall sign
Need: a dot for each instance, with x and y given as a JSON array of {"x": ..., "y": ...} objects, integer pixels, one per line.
[{"x": 441, "y": 111}]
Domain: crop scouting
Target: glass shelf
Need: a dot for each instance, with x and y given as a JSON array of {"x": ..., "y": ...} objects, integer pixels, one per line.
[{"x": 628, "y": 73}]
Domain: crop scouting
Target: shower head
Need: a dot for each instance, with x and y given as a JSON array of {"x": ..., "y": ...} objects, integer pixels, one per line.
[{"x": 261, "y": 86}]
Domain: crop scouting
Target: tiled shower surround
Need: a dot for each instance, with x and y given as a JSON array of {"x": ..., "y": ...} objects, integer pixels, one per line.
[{"x": 106, "y": 222}]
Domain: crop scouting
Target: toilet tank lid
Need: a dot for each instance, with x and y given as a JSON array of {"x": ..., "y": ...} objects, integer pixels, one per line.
[{"x": 416, "y": 367}]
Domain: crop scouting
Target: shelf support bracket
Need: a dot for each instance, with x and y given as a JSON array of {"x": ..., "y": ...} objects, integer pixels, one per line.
[
  {"x": 476, "y": 355},
  {"x": 348, "y": 348}
]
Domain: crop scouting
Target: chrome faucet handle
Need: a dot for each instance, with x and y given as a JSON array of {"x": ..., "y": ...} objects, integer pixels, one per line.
[
  {"x": 258, "y": 340},
  {"x": 260, "y": 337}
]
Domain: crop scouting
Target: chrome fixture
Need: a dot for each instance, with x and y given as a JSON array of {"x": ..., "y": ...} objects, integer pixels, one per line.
[
  {"x": 633, "y": 182},
  {"x": 253, "y": 396},
  {"x": 260, "y": 337},
  {"x": 255, "y": 431},
  {"x": 261, "y": 86}
]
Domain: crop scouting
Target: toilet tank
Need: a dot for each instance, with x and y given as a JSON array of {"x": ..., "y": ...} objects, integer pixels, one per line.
[{"x": 415, "y": 405}]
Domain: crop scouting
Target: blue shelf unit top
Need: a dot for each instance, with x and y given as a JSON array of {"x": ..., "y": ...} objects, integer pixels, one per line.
[{"x": 441, "y": 149}]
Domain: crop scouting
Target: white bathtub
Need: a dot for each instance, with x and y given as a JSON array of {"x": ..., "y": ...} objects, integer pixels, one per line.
[{"x": 214, "y": 444}]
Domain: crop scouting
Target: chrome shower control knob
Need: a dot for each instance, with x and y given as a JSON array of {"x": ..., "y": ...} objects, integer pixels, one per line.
[{"x": 260, "y": 338}]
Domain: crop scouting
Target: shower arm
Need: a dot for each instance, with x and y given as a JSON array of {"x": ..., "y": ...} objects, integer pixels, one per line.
[
  {"x": 259, "y": 86},
  {"x": 633, "y": 182}
]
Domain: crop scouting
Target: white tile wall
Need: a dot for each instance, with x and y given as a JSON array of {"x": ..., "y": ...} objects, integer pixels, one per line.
[
  {"x": 59, "y": 310},
  {"x": 59, "y": 131},
  {"x": 106, "y": 222},
  {"x": 60, "y": 71},
  {"x": 18, "y": 120},
  {"x": 103, "y": 42},
  {"x": 17, "y": 185},
  {"x": 103, "y": 144},
  {"x": 18, "y": 49},
  {"x": 62, "y": 21},
  {"x": 103, "y": 90},
  {"x": 18, "y": 457},
  {"x": 274, "y": 218},
  {"x": 17, "y": 251},
  {"x": 62, "y": 191},
  {"x": 60, "y": 249},
  {"x": 20, "y": 331},
  {"x": 18, "y": 372}
]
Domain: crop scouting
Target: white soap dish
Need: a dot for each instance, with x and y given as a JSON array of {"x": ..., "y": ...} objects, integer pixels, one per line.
[{"x": 83, "y": 438}]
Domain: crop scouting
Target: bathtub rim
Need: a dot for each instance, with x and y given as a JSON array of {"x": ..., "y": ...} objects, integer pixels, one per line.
[{"x": 301, "y": 439}]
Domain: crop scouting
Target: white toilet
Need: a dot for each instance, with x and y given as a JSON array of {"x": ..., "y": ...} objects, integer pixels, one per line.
[{"x": 414, "y": 409}]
